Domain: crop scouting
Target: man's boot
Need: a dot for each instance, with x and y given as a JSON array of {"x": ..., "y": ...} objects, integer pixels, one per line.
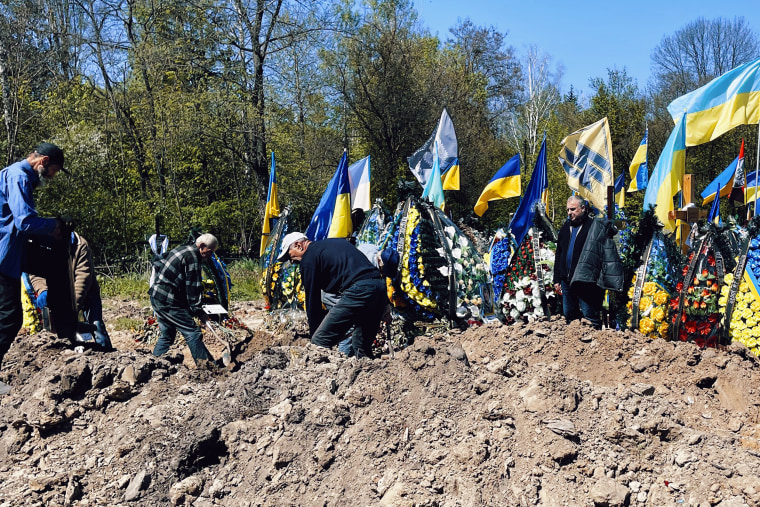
[{"x": 101, "y": 335}]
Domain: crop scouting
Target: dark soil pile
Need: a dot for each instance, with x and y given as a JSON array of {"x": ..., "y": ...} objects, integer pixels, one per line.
[{"x": 538, "y": 414}]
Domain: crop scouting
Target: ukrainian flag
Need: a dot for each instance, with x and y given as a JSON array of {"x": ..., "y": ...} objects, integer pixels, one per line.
[
  {"x": 450, "y": 177},
  {"x": 620, "y": 190},
  {"x": 725, "y": 102},
  {"x": 749, "y": 195},
  {"x": 723, "y": 183},
  {"x": 271, "y": 210},
  {"x": 536, "y": 192},
  {"x": 639, "y": 170},
  {"x": 586, "y": 156},
  {"x": 666, "y": 178},
  {"x": 332, "y": 218},
  {"x": 505, "y": 183}
]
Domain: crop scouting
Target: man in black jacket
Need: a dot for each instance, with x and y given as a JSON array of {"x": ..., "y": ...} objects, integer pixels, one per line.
[
  {"x": 337, "y": 267},
  {"x": 582, "y": 299}
]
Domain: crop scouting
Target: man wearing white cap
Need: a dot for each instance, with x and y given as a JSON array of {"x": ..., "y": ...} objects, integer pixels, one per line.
[{"x": 336, "y": 266}]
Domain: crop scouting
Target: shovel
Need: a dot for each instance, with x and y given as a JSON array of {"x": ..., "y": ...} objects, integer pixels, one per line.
[{"x": 227, "y": 354}]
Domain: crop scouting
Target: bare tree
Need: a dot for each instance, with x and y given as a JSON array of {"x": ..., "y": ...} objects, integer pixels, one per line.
[
  {"x": 526, "y": 123},
  {"x": 701, "y": 51}
]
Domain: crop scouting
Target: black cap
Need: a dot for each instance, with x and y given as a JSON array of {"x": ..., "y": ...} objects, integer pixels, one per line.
[{"x": 53, "y": 152}]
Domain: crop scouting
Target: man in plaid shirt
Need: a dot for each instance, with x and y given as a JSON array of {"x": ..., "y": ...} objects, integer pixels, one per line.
[{"x": 176, "y": 296}]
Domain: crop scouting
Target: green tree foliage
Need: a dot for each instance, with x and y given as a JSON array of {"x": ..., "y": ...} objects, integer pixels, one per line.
[{"x": 168, "y": 111}]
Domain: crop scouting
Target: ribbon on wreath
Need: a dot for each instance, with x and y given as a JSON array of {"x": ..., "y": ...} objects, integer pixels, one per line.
[
  {"x": 539, "y": 272},
  {"x": 638, "y": 288},
  {"x": 725, "y": 339}
]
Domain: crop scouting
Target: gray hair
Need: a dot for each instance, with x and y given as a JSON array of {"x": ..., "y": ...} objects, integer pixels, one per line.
[
  {"x": 578, "y": 199},
  {"x": 207, "y": 239}
]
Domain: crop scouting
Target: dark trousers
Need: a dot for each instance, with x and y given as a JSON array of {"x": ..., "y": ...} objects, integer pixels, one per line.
[
  {"x": 50, "y": 260},
  {"x": 361, "y": 305},
  {"x": 583, "y": 300},
  {"x": 172, "y": 319},
  {"x": 11, "y": 315}
]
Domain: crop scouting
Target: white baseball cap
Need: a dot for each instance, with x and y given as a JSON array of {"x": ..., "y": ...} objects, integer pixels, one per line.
[{"x": 288, "y": 240}]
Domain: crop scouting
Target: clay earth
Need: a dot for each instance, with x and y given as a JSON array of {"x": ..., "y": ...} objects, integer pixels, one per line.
[{"x": 529, "y": 414}]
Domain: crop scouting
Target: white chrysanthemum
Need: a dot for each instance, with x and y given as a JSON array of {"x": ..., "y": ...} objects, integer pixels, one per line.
[
  {"x": 520, "y": 306},
  {"x": 456, "y": 253},
  {"x": 463, "y": 242}
]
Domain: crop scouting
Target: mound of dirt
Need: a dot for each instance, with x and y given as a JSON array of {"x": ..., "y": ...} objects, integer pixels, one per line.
[{"x": 538, "y": 414}]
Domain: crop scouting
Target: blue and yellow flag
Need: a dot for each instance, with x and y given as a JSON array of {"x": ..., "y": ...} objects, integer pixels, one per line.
[
  {"x": 620, "y": 190},
  {"x": 749, "y": 193},
  {"x": 271, "y": 210},
  {"x": 725, "y": 180},
  {"x": 714, "y": 215},
  {"x": 450, "y": 176},
  {"x": 725, "y": 102},
  {"x": 586, "y": 156},
  {"x": 444, "y": 142},
  {"x": 639, "y": 170},
  {"x": 434, "y": 188},
  {"x": 359, "y": 177},
  {"x": 505, "y": 183},
  {"x": 535, "y": 193},
  {"x": 666, "y": 178},
  {"x": 332, "y": 218}
]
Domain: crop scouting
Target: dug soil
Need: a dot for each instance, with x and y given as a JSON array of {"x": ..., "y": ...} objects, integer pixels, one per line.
[{"x": 536, "y": 414}]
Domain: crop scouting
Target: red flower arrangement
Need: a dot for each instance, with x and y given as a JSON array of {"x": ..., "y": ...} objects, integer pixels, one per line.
[{"x": 699, "y": 317}]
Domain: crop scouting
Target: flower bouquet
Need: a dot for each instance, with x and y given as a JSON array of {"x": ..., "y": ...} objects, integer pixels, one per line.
[
  {"x": 472, "y": 276},
  {"x": 421, "y": 286},
  {"x": 519, "y": 286},
  {"x": 653, "y": 309},
  {"x": 743, "y": 324},
  {"x": 648, "y": 305},
  {"x": 739, "y": 298},
  {"x": 696, "y": 313},
  {"x": 375, "y": 228}
]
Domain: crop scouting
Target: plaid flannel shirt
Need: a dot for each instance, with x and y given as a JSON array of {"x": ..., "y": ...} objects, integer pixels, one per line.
[{"x": 179, "y": 279}]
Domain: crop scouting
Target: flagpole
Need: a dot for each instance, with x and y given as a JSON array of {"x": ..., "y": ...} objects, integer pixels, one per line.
[{"x": 757, "y": 164}]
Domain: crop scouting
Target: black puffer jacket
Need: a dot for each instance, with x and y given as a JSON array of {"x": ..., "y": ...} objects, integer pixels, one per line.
[{"x": 600, "y": 262}]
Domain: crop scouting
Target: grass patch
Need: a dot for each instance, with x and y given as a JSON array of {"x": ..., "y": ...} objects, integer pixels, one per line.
[
  {"x": 131, "y": 286},
  {"x": 126, "y": 324},
  {"x": 245, "y": 275}
]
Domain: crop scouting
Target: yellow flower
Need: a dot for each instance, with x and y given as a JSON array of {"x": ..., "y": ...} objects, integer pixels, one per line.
[
  {"x": 744, "y": 287},
  {"x": 658, "y": 314},
  {"x": 650, "y": 288},
  {"x": 645, "y": 303},
  {"x": 661, "y": 298},
  {"x": 723, "y": 300},
  {"x": 663, "y": 329},
  {"x": 755, "y": 306},
  {"x": 646, "y": 325}
]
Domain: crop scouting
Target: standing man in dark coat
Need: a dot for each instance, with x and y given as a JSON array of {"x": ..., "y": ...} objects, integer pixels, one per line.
[
  {"x": 337, "y": 267},
  {"x": 582, "y": 299}
]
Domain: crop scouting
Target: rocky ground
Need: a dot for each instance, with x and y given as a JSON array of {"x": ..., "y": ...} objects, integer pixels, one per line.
[{"x": 539, "y": 414}]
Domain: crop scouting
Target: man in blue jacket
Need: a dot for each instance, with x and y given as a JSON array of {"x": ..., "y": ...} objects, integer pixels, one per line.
[
  {"x": 19, "y": 224},
  {"x": 337, "y": 267}
]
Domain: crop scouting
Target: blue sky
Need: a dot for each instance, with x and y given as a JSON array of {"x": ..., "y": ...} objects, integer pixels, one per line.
[{"x": 589, "y": 37}]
